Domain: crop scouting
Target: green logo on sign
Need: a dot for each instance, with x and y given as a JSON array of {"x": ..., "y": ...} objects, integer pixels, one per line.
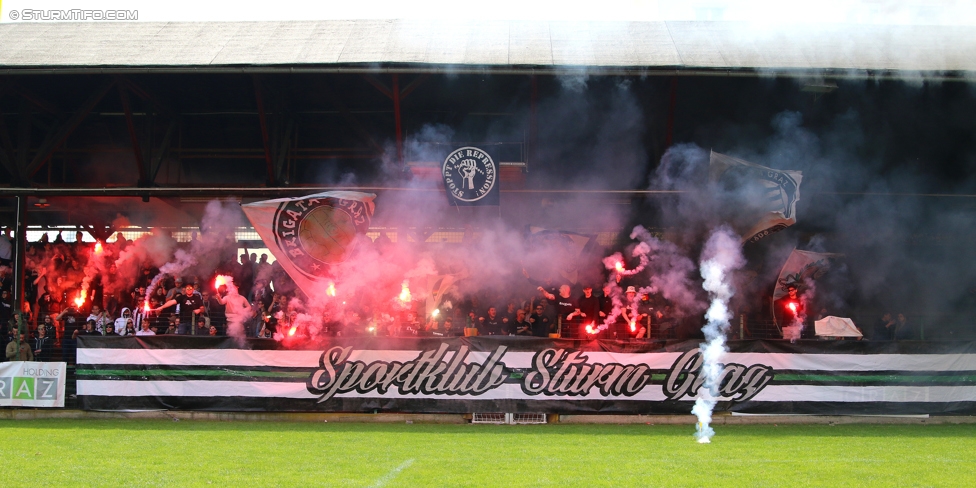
[{"x": 23, "y": 388}]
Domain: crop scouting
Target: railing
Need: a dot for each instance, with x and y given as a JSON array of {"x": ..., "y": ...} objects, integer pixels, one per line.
[{"x": 920, "y": 327}]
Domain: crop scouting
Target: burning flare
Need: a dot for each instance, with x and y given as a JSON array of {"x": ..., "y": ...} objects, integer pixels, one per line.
[
  {"x": 405, "y": 293},
  {"x": 793, "y": 307},
  {"x": 220, "y": 280},
  {"x": 619, "y": 267},
  {"x": 145, "y": 306},
  {"x": 633, "y": 326},
  {"x": 98, "y": 247},
  {"x": 591, "y": 330},
  {"x": 330, "y": 290},
  {"x": 291, "y": 331},
  {"x": 700, "y": 434},
  {"x": 80, "y": 300}
]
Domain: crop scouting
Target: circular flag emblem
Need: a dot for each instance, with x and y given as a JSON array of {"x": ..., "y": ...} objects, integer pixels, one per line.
[
  {"x": 315, "y": 233},
  {"x": 469, "y": 174}
]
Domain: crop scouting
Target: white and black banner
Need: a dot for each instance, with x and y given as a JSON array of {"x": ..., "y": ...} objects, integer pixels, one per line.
[
  {"x": 515, "y": 374},
  {"x": 802, "y": 269},
  {"x": 309, "y": 235},
  {"x": 772, "y": 194},
  {"x": 32, "y": 384}
]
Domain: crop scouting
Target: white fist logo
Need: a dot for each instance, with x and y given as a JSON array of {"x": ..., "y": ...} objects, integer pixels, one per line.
[
  {"x": 468, "y": 168},
  {"x": 459, "y": 171}
]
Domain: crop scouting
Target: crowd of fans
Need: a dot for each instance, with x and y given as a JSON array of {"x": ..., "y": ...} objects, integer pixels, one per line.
[
  {"x": 65, "y": 298},
  {"x": 61, "y": 305},
  {"x": 555, "y": 310}
]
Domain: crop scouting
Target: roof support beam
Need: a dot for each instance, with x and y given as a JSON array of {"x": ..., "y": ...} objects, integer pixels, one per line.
[
  {"x": 55, "y": 140},
  {"x": 280, "y": 128},
  {"x": 147, "y": 95},
  {"x": 34, "y": 99},
  {"x": 283, "y": 144},
  {"x": 131, "y": 126},
  {"x": 6, "y": 151},
  {"x": 23, "y": 140},
  {"x": 669, "y": 137},
  {"x": 396, "y": 118},
  {"x": 8, "y": 163},
  {"x": 353, "y": 122},
  {"x": 259, "y": 98},
  {"x": 389, "y": 92},
  {"x": 413, "y": 85},
  {"x": 379, "y": 85},
  {"x": 533, "y": 118},
  {"x": 157, "y": 162}
]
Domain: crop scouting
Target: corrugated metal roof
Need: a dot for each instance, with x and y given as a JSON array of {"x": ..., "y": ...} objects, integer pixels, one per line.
[{"x": 486, "y": 44}]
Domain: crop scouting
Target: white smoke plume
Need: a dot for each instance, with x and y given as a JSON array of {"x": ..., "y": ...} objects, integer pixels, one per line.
[
  {"x": 149, "y": 250},
  {"x": 214, "y": 246},
  {"x": 721, "y": 257},
  {"x": 668, "y": 271},
  {"x": 616, "y": 298}
]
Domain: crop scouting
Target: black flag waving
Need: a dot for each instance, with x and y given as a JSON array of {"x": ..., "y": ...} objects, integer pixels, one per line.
[{"x": 470, "y": 177}]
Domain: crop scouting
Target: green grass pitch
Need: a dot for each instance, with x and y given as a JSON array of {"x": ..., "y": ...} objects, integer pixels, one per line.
[{"x": 197, "y": 453}]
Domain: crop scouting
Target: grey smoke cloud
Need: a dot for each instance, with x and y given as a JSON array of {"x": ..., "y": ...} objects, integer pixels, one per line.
[
  {"x": 902, "y": 249},
  {"x": 214, "y": 245},
  {"x": 911, "y": 251}
]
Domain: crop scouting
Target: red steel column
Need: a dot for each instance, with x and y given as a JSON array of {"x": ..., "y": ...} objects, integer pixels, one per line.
[
  {"x": 396, "y": 116},
  {"x": 264, "y": 132}
]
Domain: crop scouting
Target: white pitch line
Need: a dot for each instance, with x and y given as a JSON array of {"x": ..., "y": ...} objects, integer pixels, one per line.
[{"x": 392, "y": 474}]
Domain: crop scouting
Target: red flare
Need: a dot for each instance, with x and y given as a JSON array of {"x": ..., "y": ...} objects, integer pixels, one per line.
[
  {"x": 220, "y": 280},
  {"x": 405, "y": 293},
  {"x": 633, "y": 326},
  {"x": 331, "y": 290},
  {"x": 145, "y": 306},
  {"x": 590, "y": 329},
  {"x": 793, "y": 307},
  {"x": 80, "y": 300},
  {"x": 619, "y": 266},
  {"x": 98, "y": 247},
  {"x": 291, "y": 331}
]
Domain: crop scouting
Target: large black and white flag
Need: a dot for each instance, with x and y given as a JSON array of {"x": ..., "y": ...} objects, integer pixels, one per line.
[
  {"x": 309, "y": 235},
  {"x": 768, "y": 195},
  {"x": 801, "y": 269}
]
